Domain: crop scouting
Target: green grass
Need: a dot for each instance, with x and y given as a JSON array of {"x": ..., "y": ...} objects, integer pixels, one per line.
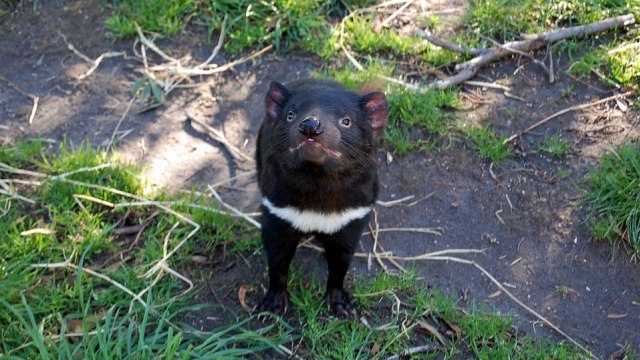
[
  {"x": 66, "y": 312},
  {"x": 311, "y": 26},
  {"x": 401, "y": 305},
  {"x": 358, "y": 36},
  {"x": 618, "y": 59},
  {"x": 555, "y": 146},
  {"x": 69, "y": 312},
  {"x": 505, "y": 20},
  {"x": 614, "y": 198},
  {"x": 165, "y": 16},
  {"x": 287, "y": 24},
  {"x": 487, "y": 144}
]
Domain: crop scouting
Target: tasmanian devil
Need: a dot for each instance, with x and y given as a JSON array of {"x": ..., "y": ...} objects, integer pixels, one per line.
[{"x": 318, "y": 176}]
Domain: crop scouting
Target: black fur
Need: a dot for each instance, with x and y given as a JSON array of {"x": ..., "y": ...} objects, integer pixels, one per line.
[{"x": 315, "y": 152}]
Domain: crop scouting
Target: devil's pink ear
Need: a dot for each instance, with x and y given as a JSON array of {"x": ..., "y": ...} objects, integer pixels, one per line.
[
  {"x": 375, "y": 108},
  {"x": 276, "y": 98}
]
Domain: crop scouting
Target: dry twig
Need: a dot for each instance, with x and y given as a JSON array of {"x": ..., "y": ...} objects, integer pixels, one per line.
[
  {"x": 35, "y": 99},
  {"x": 427, "y": 35},
  {"x": 84, "y": 57},
  {"x": 115, "y": 131},
  {"x": 219, "y": 137},
  {"x": 233, "y": 209},
  {"x": 395, "y": 14}
]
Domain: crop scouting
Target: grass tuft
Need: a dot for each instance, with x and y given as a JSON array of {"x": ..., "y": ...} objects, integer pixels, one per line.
[
  {"x": 487, "y": 144},
  {"x": 287, "y": 24},
  {"x": 166, "y": 17},
  {"x": 555, "y": 146},
  {"x": 614, "y": 198}
]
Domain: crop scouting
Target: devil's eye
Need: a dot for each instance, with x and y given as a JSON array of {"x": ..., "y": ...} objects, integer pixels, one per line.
[
  {"x": 291, "y": 116},
  {"x": 346, "y": 122}
]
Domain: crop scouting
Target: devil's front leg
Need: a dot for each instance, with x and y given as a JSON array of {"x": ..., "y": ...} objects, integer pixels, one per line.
[
  {"x": 339, "y": 249},
  {"x": 280, "y": 241}
]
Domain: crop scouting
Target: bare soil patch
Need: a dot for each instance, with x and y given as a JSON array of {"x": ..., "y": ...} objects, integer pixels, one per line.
[{"x": 526, "y": 213}]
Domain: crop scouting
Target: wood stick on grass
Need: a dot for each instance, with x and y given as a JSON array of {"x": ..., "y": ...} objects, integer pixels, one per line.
[
  {"x": 374, "y": 235},
  {"x": 233, "y": 209},
  {"x": 515, "y": 299},
  {"x": 394, "y": 202},
  {"x": 522, "y": 53},
  {"x": 67, "y": 264},
  {"x": 434, "y": 231},
  {"x": 531, "y": 42},
  {"x": 148, "y": 43},
  {"x": 98, "y": 60},
  {"x": 84, "y": 57},
  {"x": 442, "y": 256}
]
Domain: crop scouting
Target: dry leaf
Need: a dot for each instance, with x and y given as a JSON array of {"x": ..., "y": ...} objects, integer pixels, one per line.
[
  {"x": 242, "y": 295},
  {"x": 495, "y": 294},
  {"x": 375, "y": 348},
  {"x": 622, "y": 104},
  {"x": 426, "y": 326},
  {"x": 454, "y": 327}
]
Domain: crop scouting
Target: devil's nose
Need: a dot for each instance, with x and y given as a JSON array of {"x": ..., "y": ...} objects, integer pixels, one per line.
[{"x": 310, "y": 127}]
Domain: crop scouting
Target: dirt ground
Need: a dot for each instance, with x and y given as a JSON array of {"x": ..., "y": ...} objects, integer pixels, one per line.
[{"x": 527, "y": 213}]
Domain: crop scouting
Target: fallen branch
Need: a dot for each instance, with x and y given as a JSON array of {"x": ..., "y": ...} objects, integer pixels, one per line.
[
  {"x": 469, "y": 69},
  {"x": 394, "y": 202},
  {"x": 569, "y": 109},
  {"x": 522, "y": 53},
  {"x": 583, "y": 30}
]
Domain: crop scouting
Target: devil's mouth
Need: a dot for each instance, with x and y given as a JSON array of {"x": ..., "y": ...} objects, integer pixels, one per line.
[
  {"x": 315, "y": 147},
  {"x": 306, "y": 142}
]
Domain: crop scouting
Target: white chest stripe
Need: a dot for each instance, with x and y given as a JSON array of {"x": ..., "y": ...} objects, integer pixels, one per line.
[{"x": 308, "y": 221}]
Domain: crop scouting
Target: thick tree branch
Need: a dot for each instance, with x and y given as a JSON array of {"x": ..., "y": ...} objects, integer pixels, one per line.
[
  {"x": 583, "y": 30},
  {"x": 469, "y": 69}
]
